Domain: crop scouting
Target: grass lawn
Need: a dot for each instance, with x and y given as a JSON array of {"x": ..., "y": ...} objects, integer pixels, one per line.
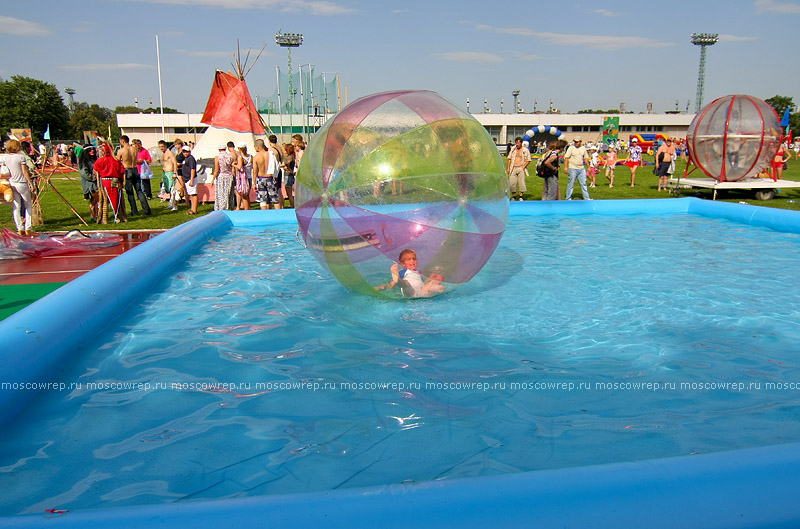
[
  {"x": 57, "y": 216},
  {"x": 647, "y": 186}
]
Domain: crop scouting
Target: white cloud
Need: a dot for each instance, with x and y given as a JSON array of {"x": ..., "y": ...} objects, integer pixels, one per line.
[
  {"x": 105, "y": 67},
  {"x": 780, "y": 8},
  {"x": 598, "y": 42},
  {"x": 22, "y": 28},
  {"x": 735, "y": 38},
  {"x": 605, "y": 13},
  {"x": 469, "y": 56},
  {"x": 313, "y": 7},
  {"x": 518, "y": 55}
]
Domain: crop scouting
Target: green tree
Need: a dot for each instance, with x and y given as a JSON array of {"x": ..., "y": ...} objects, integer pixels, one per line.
[
  {"x": 780, "y": 104},
  {"x": 130, "y": 109},
  {"x": 34, "y": 104},
  {"x": 90, "y": 117}
]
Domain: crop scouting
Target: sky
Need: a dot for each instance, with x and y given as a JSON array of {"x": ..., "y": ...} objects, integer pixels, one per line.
[{"x": 579, "y": 54}]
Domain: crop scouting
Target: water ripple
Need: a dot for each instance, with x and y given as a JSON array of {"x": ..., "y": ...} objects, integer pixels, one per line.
[{"x": 253, "y": 372}]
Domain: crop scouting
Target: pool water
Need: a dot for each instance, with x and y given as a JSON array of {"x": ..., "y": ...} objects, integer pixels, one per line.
[{"x": 584, "y": 340}]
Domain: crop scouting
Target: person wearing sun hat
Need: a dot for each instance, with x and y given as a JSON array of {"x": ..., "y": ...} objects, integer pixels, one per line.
[{"x": 634, "y": 158}]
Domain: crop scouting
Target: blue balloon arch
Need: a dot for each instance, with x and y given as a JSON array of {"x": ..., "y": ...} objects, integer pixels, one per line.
[{"x": 541, "y": 129}]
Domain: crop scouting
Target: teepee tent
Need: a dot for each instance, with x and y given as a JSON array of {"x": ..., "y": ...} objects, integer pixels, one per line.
[{"x": 230, "y": 114}]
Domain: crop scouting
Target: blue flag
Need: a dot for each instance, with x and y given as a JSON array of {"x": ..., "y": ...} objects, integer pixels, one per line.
[
  {"x": 785, "y": 120},
  {"x": 47, "y": 133}
]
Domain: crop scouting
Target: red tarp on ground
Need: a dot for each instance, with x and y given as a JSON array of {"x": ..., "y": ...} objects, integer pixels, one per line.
[{"x": 44, "y": 246}]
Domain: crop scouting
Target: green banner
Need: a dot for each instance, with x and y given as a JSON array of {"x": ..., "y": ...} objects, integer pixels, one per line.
[{"x": 610, "y": 129}]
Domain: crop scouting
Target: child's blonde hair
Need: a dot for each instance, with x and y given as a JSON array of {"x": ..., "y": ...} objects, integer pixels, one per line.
[{"x": 405, "y": 253}]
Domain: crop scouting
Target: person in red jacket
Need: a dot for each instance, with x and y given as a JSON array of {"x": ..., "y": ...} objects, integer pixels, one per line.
[{"x": 111, "y": 179}]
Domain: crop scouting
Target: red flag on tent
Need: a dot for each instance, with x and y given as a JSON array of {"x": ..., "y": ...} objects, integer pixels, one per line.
[{"x": 231, "y": 107}]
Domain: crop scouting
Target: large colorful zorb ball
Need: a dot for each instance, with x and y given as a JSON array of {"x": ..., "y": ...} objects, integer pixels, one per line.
[
  {"x": 734, "y": 137},
  {"x": 395, "y": 171}
]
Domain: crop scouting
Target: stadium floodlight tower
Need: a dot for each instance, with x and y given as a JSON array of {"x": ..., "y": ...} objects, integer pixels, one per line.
[
  {"x": 703, "y": 40},
  {"x": 289, "y": 41},
  {"x": 71, "y": 92},
  {"x": 515, "y": 93}
]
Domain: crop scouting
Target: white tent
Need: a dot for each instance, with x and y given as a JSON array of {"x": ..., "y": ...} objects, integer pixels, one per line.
[{"x": 231, "y": 116}]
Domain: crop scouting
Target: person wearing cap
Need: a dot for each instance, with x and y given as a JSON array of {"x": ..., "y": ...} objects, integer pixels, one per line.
[
  {"x": 518, "y": 159},
  {"x": 634, "y": 159},
  {"x": 222, "y": 178},
  {"x": 189, "y": 175},
  {"x": 574, "y": 166}
]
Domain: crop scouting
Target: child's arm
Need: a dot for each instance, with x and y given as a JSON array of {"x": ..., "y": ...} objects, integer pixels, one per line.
[
  {"x": 433, "y": 285},
  {"x": 395, "y": 270}
]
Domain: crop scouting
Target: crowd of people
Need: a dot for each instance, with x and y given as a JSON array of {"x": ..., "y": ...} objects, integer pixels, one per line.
[
  {"x": 108, "y": 176},
  {"x": 583, "y": 163},
  {"x": 268, "y": 174},
  {"x": 269, "y": 171},
  {"x": 237, "y": 174}
]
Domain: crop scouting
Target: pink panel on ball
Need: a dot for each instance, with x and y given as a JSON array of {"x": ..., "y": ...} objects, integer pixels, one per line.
[{"x": 346, "y": 122}]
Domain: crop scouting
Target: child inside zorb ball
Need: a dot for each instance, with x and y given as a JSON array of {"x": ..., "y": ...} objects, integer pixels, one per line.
[
  {"x": 402, "y": 176},
  {"x": 412, "y": 283}
]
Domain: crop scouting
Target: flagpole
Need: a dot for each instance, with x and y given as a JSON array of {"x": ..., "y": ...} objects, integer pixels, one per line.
[
  {"x": 280, "y": 108},
  {"x": 302, "y": 103},
  {"x": 160, "y": 95}
]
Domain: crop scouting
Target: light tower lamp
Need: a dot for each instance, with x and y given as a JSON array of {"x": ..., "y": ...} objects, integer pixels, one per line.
[
  {"x": 515, "y": 93},
  {"x": 289, "y": 41},
  {"x": 703, "y": 40},
  {"x": 71, "y": 92}
]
